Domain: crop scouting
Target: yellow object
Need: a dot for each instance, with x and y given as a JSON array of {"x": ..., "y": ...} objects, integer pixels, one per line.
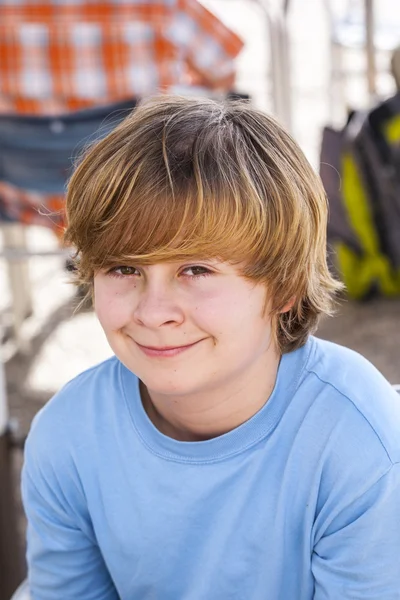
[{"x": 372, "y": 269}]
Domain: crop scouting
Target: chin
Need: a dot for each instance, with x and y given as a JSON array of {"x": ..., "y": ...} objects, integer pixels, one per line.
[{"x": 167, "y": 386}]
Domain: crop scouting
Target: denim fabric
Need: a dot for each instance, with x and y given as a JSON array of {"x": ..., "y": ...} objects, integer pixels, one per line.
[{"x": 38, "y": 153}]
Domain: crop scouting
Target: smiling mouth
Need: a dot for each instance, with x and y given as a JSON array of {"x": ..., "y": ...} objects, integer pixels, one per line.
[{"x": 165, "y": 350}]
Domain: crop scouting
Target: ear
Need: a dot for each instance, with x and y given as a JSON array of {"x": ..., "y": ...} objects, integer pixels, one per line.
[{"x": 288, "y": 306}]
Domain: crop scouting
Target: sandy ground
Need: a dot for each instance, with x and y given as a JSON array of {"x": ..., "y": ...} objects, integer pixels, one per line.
[{"x": 63, "y": 343}]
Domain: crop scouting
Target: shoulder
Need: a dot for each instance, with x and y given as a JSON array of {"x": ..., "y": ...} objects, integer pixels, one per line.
[
  {"x": 77, "y": 411},
  {"x": 101, "y": 378},
  {"x": 357, "y": 395}
]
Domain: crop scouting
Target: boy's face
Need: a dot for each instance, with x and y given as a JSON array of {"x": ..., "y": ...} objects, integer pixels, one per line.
[{"x": 185, "y": 328}]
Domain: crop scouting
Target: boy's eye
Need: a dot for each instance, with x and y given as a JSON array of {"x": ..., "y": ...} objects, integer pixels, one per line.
[
  {"x": 196, "y": 271},
  {"x": 123, "y": 270}
]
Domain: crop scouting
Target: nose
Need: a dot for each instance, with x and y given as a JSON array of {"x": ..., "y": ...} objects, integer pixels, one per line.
[{"x": 158, "y": 306}]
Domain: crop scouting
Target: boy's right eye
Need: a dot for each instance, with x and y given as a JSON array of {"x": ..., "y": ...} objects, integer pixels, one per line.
[{"x": 123, "y": 271}]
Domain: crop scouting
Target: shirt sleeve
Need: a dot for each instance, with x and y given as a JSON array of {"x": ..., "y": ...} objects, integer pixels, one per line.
[
  {"x": 64, "y": 560},
  {"x": 206, "y": 42},
  {"x": 358, "y": 556}
]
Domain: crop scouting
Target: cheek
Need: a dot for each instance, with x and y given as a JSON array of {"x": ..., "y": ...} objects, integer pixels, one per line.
[
  {"x": 244, "y": 322},
  {"x": 109, "y": 307},
  {"x": 212, "y": 311},
  {"x": 231, "y": 314}
]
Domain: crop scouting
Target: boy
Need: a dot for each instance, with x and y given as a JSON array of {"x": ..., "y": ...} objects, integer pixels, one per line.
[{"x": 223, "y": 452}]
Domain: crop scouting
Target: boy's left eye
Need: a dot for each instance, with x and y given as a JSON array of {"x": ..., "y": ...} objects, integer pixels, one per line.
[
  {"x": 123, "y": 271},
  {"x": 196, "y": 271}
]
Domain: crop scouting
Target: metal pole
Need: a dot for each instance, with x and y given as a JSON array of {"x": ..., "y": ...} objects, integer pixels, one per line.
[
  {"x": 370, "y": 48},
  {"x": 12, "y": 570},
  {"x": 280, "y": 61}
]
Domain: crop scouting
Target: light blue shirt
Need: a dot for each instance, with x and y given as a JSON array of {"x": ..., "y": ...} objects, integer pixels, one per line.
[{"x": 300, "y": 502}]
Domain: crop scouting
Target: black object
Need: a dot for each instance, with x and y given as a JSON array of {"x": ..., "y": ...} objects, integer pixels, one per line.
[
  {"x": 237, "y": 96},
  {"x": 12, "y": 567}
]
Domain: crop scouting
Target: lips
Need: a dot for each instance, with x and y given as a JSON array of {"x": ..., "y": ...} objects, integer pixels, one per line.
[
  {"x": 166, "y": 351},
  {"x": 163, "y": 348}
]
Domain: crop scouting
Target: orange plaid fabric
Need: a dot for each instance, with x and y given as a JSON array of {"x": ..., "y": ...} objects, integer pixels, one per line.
[
  {"x": 31, "y": 208},
  {"x": 58, "y": 56}
]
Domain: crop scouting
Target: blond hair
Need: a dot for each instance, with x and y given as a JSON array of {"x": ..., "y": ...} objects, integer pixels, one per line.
[{"x": 183, "y": 178}]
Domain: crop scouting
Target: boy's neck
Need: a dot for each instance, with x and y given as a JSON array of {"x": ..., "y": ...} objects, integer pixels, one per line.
[{"x": 206, "y": 416}]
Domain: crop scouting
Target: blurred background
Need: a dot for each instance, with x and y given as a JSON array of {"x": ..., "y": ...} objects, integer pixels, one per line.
[{"x": 309, "y": 64}]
